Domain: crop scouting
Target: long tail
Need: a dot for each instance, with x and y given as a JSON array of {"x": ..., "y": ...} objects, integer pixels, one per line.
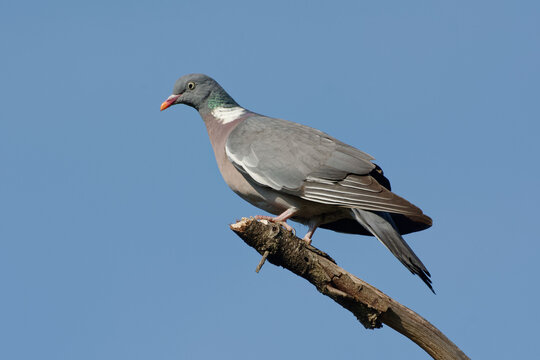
[{"x": 382, "y": 226}]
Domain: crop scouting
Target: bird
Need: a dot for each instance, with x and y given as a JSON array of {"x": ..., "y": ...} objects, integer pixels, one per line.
[{"x": 296, "y": 172}]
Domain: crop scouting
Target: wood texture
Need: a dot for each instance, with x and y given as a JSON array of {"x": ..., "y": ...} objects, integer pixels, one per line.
[{"x": 371, "y": 306}]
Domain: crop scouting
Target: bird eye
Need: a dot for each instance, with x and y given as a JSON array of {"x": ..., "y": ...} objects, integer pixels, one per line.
[{"x": 191, "y": 85}]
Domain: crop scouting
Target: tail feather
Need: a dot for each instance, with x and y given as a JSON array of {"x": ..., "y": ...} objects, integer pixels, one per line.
[{"x": 382, "y": 226}]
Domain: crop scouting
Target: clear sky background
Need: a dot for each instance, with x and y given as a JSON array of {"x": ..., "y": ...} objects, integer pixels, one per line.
[{"x": 114, "y": 239}]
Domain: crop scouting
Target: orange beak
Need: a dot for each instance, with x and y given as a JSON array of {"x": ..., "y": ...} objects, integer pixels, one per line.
[{"x": 170, "y": 101}]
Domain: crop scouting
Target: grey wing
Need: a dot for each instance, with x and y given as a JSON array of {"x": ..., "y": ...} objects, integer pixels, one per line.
[
  {"x": 283, "y": 155},
  {"x": 306, "y": 162}
]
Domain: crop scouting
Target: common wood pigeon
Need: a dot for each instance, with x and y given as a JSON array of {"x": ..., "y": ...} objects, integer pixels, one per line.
[{"x": 300, "y": 173}]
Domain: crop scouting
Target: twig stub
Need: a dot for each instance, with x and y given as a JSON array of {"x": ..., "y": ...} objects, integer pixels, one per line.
[{"x": 261, "y": 263}]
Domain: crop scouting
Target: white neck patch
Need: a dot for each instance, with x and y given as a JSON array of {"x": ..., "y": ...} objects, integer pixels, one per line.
[{"x": 226, "y": 115}]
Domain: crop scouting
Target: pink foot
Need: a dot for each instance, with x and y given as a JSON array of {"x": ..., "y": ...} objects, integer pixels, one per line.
[
  {"x": 277, "y": 221},
  {"x": 307, "y": 239},
  {"x": 311, "y": 231}
]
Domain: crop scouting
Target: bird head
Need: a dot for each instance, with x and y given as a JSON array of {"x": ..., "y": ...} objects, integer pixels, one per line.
[{"x": 194, "y": 90}]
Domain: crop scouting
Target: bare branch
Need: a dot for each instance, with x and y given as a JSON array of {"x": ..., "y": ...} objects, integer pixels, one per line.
[{"x": 370, "y": 306}]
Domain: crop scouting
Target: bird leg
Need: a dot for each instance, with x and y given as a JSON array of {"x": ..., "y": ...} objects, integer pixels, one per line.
[
  {"x": 312, "y": 227},
  {"x": 281, "y": 219}
]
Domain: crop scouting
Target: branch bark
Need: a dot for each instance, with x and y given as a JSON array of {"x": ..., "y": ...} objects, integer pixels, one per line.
[{"x": 370, "y": 305}]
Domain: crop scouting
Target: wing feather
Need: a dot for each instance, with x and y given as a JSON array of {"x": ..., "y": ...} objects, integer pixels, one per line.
[
  {"x": 282, "y": 154},
  {"x": 358, "y": 191},
  {"x": 310, "y": 164}
]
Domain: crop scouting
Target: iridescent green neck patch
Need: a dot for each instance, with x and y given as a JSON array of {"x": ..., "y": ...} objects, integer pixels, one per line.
[{"x": 220, "y": 100}]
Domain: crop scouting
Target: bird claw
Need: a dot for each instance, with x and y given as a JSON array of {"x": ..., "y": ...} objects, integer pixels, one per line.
[
  {"x": 287, "y": 227},
  {"x": 279, "y": 222},
  {"x": 307, "y": 239}
]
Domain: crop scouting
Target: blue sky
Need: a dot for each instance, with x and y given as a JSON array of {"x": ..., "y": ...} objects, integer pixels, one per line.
[{"x": 114, "y": 239}]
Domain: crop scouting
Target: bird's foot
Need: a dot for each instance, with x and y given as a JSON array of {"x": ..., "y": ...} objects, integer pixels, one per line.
[
  {"x": 307, "y": 239},
  {"x": 276, "y": 221},
  {"x": 311, "y": 231}
]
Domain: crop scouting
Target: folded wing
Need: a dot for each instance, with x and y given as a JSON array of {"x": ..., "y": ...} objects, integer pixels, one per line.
[{"x": 308, "y": 163}]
